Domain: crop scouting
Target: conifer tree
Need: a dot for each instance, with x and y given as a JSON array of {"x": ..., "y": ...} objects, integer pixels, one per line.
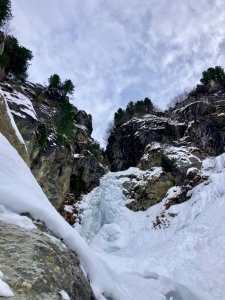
[{"x": 5, "y": 11}]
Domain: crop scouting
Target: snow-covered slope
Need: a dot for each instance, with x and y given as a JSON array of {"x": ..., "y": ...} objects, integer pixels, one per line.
[
  {"x": 124, "y": 255},
  {"x": 154, "y": 262},
  {"x": 19, "y": 192}
]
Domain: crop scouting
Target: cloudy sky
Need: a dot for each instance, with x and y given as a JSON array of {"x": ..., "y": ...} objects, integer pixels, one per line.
[{"x": 116, "y": 51}]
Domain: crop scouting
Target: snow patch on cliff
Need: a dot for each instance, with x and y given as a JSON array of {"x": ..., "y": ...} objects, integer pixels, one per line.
[
  {"x": 23, "y": 103},
  {"x": 12, "y": 119}
]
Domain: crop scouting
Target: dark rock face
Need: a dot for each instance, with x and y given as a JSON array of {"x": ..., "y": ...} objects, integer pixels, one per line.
[
  {"x": 83, "y": 119},
  {"x": 86, "y": 172},
  {"x": 2, "y": 45},
  {"x": 2, "y": 40},
  {"x": 207, "y": 137},
  {"x": 195, "y": 111},
  {"x": 127, "y": 143},
  {"x": 52, "y": 170}
]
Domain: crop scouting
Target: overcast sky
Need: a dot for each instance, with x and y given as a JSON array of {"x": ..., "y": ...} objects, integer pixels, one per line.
[{"x": 116, "y": 51}]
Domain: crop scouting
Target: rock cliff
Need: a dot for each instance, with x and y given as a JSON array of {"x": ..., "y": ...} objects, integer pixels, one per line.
[
  {"x": 197, "y": 121},
  {"x": 176, "y": 141},
  {"x": 54, "y": 139},
  {"x": 62, "y": 155}
]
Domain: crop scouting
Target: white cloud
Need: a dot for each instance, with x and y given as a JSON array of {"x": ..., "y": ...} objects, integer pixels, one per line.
[{"x": 117, "y": 51}]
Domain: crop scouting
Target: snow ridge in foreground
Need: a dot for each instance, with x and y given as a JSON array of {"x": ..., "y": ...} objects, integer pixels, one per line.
[{"x": 5, "y": 290}]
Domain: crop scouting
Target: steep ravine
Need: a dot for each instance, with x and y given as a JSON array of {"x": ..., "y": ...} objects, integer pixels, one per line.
[
  {"x": 150, "y": 230},
  {"x": 157, "y": 219},
  {"x": 40, "y": 266},
  {"x": 34, "y": 263},
  {"x": 171, "y": 250}
]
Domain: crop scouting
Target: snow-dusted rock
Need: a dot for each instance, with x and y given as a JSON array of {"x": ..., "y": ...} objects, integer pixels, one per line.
[
  {"x": 182, "y": 157},
  {"x": 147, "y": 189},
  {"x": 127, "y": 142},
  {"x": 197, "y": 121}
]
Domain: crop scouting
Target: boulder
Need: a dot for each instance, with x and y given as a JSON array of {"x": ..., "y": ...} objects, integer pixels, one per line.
[{"x": 38, "y": 266}]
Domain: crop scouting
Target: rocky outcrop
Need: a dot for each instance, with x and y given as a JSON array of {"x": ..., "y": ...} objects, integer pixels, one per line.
[
  {"x": 176, "y": 160},
  {"x": 148, "y": 189},
  {"x": 63, "y": 156},
  {"x": 38, "y": 266},
  {"x": 204, "y": 115},
  {"x": 182, "y": 157},
  {"x": 126, "y": 144},
  {"x": 194, "y": 111},
  {"x": 175, "y": 141},
  {"x": 163, "y": 166},
  {"x": 198, "y": 121}
]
